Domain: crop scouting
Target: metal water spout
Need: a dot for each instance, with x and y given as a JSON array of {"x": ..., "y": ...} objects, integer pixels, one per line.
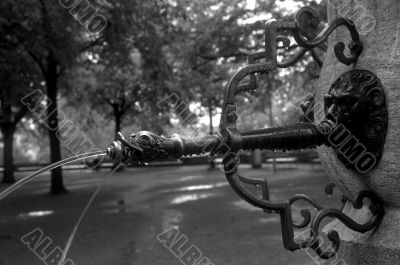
[
  {"x": 146, "y": 147},
  {"x": 354, "y": 106}
]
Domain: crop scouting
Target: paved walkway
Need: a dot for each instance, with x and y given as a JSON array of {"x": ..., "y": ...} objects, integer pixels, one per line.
[{"x": 136, "y": 205}]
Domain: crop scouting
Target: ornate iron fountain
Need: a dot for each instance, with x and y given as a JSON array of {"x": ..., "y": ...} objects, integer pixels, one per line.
[{"x": 354, "y": 105}]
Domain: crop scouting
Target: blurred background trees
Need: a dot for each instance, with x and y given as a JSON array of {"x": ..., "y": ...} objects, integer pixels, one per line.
[
  {"x": 112, "y": 81},
  {"x": 17, "y": 79}
]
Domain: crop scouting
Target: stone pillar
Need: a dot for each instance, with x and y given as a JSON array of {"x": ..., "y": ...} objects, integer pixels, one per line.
[{"x": 378, "y": 22}]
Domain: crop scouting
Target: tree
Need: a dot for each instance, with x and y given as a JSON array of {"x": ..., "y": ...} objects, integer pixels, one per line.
[
  {"x": 153, "y": 35},
  {"x": 133, "y": 74},
  {"x": 14, "y": 82},
  {"x": 16, "y": 79},
  {"x": 114, "y": 90},
  {"x": 36, "y": 35},
  {"x": 54, "y": 41}
]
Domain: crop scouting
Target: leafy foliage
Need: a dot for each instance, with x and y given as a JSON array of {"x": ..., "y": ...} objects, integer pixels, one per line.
[{"x": 150, "y": 50}]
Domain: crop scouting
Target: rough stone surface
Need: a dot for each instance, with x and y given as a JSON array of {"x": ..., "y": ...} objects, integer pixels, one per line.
[
  {"x": 381, "y": 246},
  {"x": 381, "y": 55}
]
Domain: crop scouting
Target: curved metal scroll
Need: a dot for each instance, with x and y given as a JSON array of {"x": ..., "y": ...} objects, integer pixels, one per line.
[
  {"x": 228, "y": 129},
  {"x": 355, "y": 45},
  {"x": 304, "y": 29},
  {"x": 283, "y": 208}
]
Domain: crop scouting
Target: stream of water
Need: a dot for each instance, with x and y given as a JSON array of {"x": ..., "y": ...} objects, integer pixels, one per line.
[
  {"x": 83, "y": 214},
  {"x": 32, "y": 177}
]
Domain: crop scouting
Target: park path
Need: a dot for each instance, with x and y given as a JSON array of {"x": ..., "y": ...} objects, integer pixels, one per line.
[{"x": 136, "y": 205}]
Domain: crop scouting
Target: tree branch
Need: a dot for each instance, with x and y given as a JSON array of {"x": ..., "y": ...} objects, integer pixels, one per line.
[
  {"x": 125, "y": 108},
  {"x": 109, "y": 102},
  {"x": 210, "y": 58},
  {"x": 38, "y": 62},
  {"x": 216, "y": 57},
  {"x": 91, "y": 44},
  {"x": 60, "y": 71}
]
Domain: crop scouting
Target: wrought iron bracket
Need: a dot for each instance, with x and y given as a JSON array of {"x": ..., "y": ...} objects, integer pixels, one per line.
[
  {"x": 364, "y": 87},
  {"x": 355, "y": 100},
  {"x": 305, "y": 29},
  {"x": 313, "y": 241}
]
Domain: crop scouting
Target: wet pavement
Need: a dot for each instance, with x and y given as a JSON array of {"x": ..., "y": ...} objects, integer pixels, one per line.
[{"x": 137, "y": 205}]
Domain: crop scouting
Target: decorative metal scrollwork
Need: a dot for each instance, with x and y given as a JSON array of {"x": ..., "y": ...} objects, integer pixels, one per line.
[
  {"x": 307, "y": 42},
  {"x": 356, "y": 96},
  {"x": 304, "y": 29},
  {"x": 283, "y": 208}
]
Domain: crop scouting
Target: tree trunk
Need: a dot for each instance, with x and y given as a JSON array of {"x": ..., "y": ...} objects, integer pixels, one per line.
[
  {"x": 257, "y": 159},
  {"x": 57, "y": 184},
  {"x": 118, "y": 120},
  {"x": 118, "y": 127},
  {"x": 210, "y": 113},
  {"x": 8, "y": 131},
  {"x": 271, "y": 116}
]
